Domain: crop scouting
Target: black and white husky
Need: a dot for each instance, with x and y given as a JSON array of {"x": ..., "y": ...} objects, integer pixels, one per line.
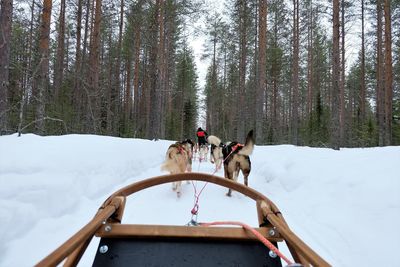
[{"x": 235, "y": 157}]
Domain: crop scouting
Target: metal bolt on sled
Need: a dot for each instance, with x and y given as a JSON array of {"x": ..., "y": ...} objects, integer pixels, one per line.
[
  {"x": 272, "y": 254},
  {"x": 103, "y": 249}
]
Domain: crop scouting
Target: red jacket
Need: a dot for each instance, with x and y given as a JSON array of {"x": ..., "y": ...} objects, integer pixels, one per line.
[{"x": 201, "y": 134}]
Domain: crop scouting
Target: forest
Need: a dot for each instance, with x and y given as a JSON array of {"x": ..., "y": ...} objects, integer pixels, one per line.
[{"x": 322, "y": 73}]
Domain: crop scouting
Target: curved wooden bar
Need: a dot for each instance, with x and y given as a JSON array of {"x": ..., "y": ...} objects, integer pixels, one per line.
[
  {"x": 245, "y": 190},
  {"x": 112, "y": 210}
]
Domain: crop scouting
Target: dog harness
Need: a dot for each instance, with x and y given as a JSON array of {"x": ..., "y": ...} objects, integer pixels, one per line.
[
  {"x": 181, "y": 150},
  {"x": 237, "y": 146}
]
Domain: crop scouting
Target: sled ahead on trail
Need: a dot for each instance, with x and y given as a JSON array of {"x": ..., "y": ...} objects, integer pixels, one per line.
[{"x": 195, "y": 245}]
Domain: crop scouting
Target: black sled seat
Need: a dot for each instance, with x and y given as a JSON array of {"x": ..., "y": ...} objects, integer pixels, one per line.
[
  {"x": 161, "y": 245},
  {"x": 182, "y": 252},
  {"x": 156, "y": 245}
]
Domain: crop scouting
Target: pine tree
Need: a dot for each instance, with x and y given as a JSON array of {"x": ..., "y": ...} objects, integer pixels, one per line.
[
  {"x": 295, "y": 88},
  {"x": 335, "y": 121},
  {"x": 59, "y": 64},
  {"x": 42, "y": 78},
  {"x": 388, "y": 73},
  {"x": 5, "y": 44},
  {"x": 380, "y": 82},
  {"x": 185, "y": 99},
  {"x": 261, "y": 86}
]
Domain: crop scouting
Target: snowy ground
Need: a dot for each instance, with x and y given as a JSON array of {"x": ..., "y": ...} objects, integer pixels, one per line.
[{"x": 345, "y": 204}]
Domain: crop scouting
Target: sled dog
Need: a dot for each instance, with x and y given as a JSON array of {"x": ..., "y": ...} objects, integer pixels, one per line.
[
  {"x": 216, "y": 155},
  {"x": 203, "y": 152},
  {"x": 178, "y": 159},
  {"x": 235, "y": 157}
]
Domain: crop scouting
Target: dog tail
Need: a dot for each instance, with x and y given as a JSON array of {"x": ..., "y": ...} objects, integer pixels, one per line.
[
  {"x": 212, "y": 139},
  {"x": 249, "y": 145},
  {"x": 167, "y": 165},
  {"x": 170, "y": 162}
]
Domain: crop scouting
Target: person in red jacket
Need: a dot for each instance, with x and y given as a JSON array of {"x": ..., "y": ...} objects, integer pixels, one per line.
[
  {"x": 202, "y": 146},
  {"x": 201, "y": 137}
]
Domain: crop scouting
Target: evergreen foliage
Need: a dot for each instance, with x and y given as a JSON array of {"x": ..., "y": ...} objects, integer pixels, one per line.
[{"x": 141, "y": 81}]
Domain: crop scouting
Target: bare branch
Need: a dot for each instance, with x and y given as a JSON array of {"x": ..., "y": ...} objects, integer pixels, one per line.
[{"x": 45, "y": 118}]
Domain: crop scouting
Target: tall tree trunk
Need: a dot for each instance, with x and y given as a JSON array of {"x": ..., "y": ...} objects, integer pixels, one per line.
[
  {"x": 153, "y": 131},
  {"x": 94, "y": 60},
  {"x": 128, "y": 95},
  {"x": 362, "y": 74},
  {"x": 224, "y": 99},
  {"x": 211, "y": 109},
  {"x": 170, "y": 56},
  {"x": 388, "y": 74},
  {"x": 161, "y": 71},
  {"x": 251, "y": 103},
  {"x": 107, "y": 102},
  {"x": 310, "y": 62},
  {"x": 342, "y": 76},
  {"x": 5, "y": 41},
  {"x": 82, "y": 85},
  {"x": 59, "y": 66},
  {"x": 296, "y": 47},
  {"x": 43, "y": 75},
  {"x": 242, "y": 69},
  {"x": 274, "y": 107},
  {"x": 182, "y": 99},
  {"x": 274, "y": 79},
  {"x": 335, "y": 123},
  {"x": 112, "y": 113},
  {"x": 136, "y": 76},
  {"x": 27, "y": 84},
  {"x": 77, "y": 94},
  {"x": 262, "y": 49},
  {"x": 380, "y": 87}
]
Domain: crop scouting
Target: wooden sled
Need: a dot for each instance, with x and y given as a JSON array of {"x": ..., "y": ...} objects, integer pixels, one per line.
[{"x": 161, "y": 245}]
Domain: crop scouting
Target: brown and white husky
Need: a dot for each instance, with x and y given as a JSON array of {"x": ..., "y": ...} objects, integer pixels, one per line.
[
  {"x": 235, "y": 157},
  {"x": 178, "y": 159}
]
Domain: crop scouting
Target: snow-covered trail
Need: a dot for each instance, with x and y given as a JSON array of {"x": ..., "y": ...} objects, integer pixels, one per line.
[{"x": 341, "y": 203}]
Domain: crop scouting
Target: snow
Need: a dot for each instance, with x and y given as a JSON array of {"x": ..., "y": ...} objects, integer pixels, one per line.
[{"x": 344, "y": 204}]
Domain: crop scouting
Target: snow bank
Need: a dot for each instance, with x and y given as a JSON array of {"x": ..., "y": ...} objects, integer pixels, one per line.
[{"x": 342, "y": 203}]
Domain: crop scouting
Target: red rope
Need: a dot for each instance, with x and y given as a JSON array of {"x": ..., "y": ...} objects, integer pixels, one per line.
[
  {"x": 260, "y": 237},
  {"x": 195, "y": 209},
  {"x": 217, "y": 167}
]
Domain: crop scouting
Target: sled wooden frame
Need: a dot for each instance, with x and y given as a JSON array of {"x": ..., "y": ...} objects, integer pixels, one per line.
[{"x": 107, "y": 223}]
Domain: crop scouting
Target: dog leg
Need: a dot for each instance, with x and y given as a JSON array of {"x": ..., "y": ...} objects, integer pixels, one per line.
[
  {"x": 234, "y": 178},
  {"x": 188, "y": 168},
  {"x": 178, "y": 191},
  {"x": 217, "y": 164},
  {"x": 229, "y": 194},
  {"x": 246, "y": 168},
  {"x": 235, "y": 175},
  {"x": 246, "y": 179},
  {"x": 246, "y": 173},
  {"x": 178, "y": 188},
  {"x": 227, "y": 176}
]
